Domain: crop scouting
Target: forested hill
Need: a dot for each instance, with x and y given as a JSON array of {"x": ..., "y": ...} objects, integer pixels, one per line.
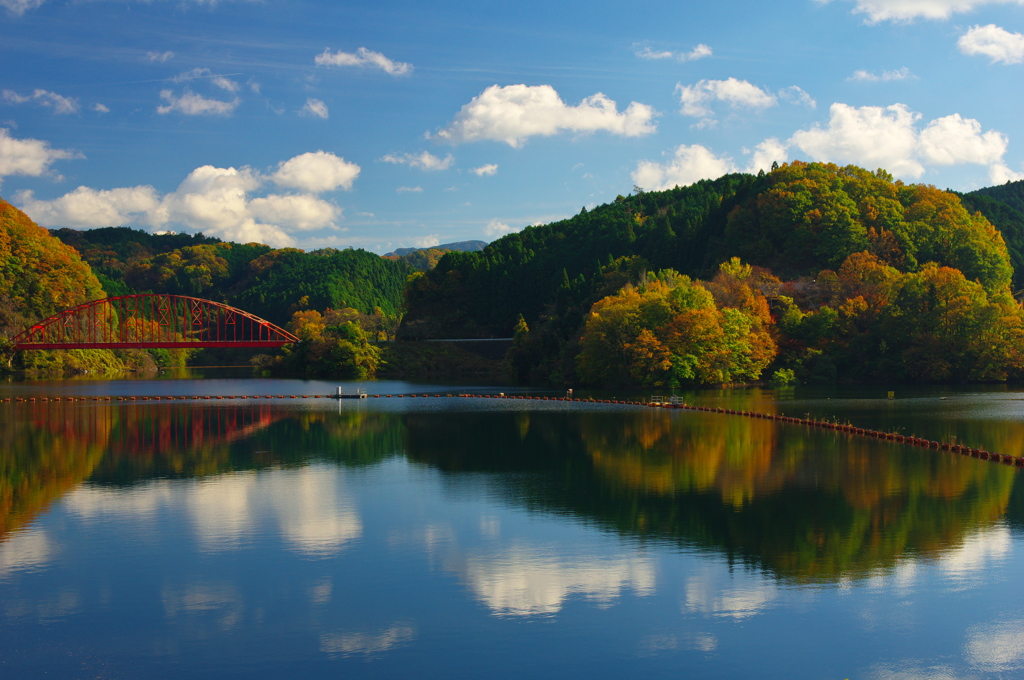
[
  {"x": 257, "y": 278},
  {"x": 1003, "y": 205},
  {"x": 1011, "y": 193},
  {"x": 795, "y": 221}
]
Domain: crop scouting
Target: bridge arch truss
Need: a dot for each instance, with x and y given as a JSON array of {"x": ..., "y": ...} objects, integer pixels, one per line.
[{"x": 149, "y": 321}]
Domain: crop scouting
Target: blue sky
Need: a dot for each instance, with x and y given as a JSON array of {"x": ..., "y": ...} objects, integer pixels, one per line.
[{"x": 393, "y": 124}]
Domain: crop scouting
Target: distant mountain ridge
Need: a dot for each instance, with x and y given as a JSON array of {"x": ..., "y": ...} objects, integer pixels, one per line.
[{"x": 462, "y": 246}]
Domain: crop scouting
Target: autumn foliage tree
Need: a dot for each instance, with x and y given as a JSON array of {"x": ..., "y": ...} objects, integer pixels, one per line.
[
  {"x": 670, "y": 331},
  {"x": 335, "y": 343}
]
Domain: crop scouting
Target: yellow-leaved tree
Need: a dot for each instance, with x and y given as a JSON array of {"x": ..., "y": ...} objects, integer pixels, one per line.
[{"x": 670, "y": 331}]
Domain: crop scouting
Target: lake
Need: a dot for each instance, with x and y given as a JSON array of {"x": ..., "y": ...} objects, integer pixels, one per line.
[{"x": 464, "y": 538}]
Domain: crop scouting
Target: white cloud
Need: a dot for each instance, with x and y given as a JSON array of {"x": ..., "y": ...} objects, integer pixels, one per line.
[
  {"x": 698, "y": 52},
  {"x": 1000, "y": 173},
  {"x": 428, "y": 241},
  {"x": 217, "y": 201},
  {"x": 315, "y": 107},
  {"x": 906, "y": 10},
  {"x": 994, "y": 42},
  {"x": 192, "y": 104},
  {"x": 85, "y": 208},
  {"x": 797, "y": 95},
  {"x": 30, "y": 157},
  {"x": 689, "y": 164},
  {"x": 199, "y": 73},
  {"x": 100, "y": 108},
  {"x": 424, "y": 161},
  {"x": 45, "y": 98},
  {"x": 648, "y": 53},
  {"x": 364, "y": 58},
  {"x": 300, "y": 212},
  {"x": 885, "y": 76},
  {"x": 19, "y": 7},
  {"x": 409, "y": 190},
  {"x": 485, "y": 170},
  {"x": 767, "y": 152},
  {"x": 876, "y": 137},
  {"x": 226, "y": 84},
  {"x": 496, "y": 229},
  {"x": 871, "y": 136},
  {"x": 514, "y": 113},
  {"x": 315, "y": 172},
  {"x": 696, "y": 99},
  {"x": 952, "y": 140},
  {"x": 159, "y": 57}
]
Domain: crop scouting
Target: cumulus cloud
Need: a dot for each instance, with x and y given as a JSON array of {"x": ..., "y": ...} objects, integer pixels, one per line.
[
  {"x": 907, "y": 10},
  {"x": 50, "y": 100},
  {"x": 301, "y": 212},
  {"x": 159, "y": 57},
  {"x": 698, "y": 52},
  {"x": 485, "y": 170},
  {"x": 876, "y": 137},
  {"x": 952, "y": 140},
  {"x": 315, "y": 107},
  {"x": 316, "y": 172},
  {"x": 100, "y": 108},
  {"x": 993, "y": 42},
  {"x": 687, "y": 165},
  {"x": 19, "y": 7},
  {"x": 220, "y": 202},
  {"x": 85, "y": 208},
  {"x": 423, "y": 161},
  {"x": 869, "y": 136},
  {"x": 496, "y": 229},
  {"x": 766, "y": 153},
  {"x": 885, "y": 76},
  {"x": 29, "y": 157},
  {"x": 513, "y": 113},
  {"x": 697, "y": 99},
  {"x": 192, "y": 104},
  {"x": 363, "y": 58},
  {"x": 1000, "y": 173}
]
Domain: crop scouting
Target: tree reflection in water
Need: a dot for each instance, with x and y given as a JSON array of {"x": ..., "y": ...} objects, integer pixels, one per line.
[{"x": 806, "y": 505}]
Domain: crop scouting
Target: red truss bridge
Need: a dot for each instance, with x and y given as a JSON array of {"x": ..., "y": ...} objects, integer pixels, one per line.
[{"x": 151, "y": 321}]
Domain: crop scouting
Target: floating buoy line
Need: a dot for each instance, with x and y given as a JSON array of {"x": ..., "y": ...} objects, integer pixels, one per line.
[{"x": 808, "y": 422}]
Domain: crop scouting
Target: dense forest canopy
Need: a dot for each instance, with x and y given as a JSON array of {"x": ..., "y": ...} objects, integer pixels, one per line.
[
  {"x": 812, "y": 272},
  {"x": 39, "y": 275},
  {"x": 795, "y": 221},
  {"x": 270, "y": 283}
]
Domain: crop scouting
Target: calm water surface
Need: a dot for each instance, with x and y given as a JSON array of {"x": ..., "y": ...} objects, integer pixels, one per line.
[{"x": 483, "y": 538}]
